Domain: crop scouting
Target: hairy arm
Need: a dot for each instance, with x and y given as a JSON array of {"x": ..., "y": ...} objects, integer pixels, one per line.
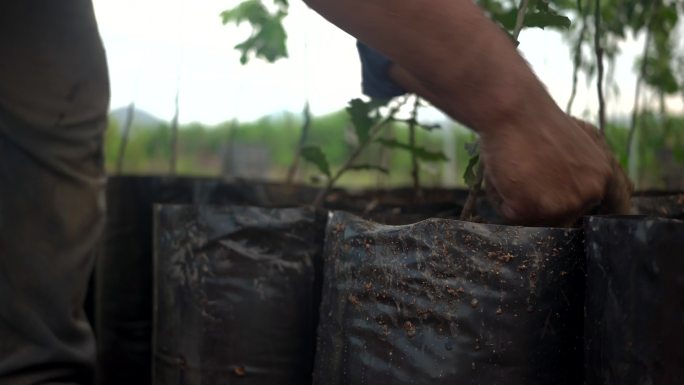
[{"x": 545, "y": 168}]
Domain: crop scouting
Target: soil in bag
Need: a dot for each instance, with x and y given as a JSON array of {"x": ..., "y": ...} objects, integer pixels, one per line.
[
  {"x": 450, "y": 302},
  {"x": 665, "y": 204},
  {"x": 402, "y": 197},
  {"x": 236, "y": 294},
  {"x": 253, "y": 193},
  {"x": 635, "y": 301}
]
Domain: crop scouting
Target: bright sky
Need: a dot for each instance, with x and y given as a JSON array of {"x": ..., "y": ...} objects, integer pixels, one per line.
[{"x": 153, "y": 44}]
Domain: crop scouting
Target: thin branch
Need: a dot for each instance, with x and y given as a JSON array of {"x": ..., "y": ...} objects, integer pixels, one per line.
[
  {"x": 415, "y": 172},
  {"x": 174, "y": 137},
  {"x": 664, "y": 121},
  {"x": 125, "y": 134},
  {"x": 471, "y": 202},
  {"x": 384, "y": 158},
  {"x": 374, "y": 131},
  {"x": 228, "y": 158},
  {"x": 599, "y": 65},
  {"x": 520, "y": 18},
  {"x": 306, "y": 125},
  {"x": 577, "y": 60},
  {"x": 637, "y": 94}
]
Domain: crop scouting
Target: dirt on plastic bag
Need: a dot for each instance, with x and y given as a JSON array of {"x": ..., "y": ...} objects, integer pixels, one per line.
[
  {"x": 236, "y": 294},
  {"x": 635, "y": 301},
  {"x": 450, "y": 302},
  {"x": 123, "y": 282}
]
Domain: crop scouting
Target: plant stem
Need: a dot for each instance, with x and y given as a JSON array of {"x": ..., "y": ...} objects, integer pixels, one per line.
[
  {"x": 471, "y": 202},
  {"x": 415, "y": 172},
  {"x": 637, "y": 93},
  {"x": 124, "y": 137},
  {"x": 599, "y": 65},
  {"x": 520, "y": 18},
  {"x": 374, "y": 131},
  {"x": 174, "y": 137},
  {"x": 306, "y": 125},
  {"x": 577, "y": 61}
]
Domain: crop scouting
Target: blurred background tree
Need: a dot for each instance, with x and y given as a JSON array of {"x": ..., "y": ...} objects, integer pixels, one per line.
[{"x": 649, "y": 143}]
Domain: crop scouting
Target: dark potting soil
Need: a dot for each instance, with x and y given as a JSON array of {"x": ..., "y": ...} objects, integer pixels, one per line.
[
  {"x": 388, "y": 199},
  {"x": 237, "y": 294},
  {"x": 665, "y": 204},
  {"x": 635, "y": 301},
  {"x": 450, "y": 302}
]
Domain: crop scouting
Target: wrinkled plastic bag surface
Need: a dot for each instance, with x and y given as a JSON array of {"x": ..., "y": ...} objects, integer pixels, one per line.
[
  {"x": 236, "y": 298},
  {"x": 635, "y": 301},
  {"x": 450, "y": 302},
  {"x": 124, "y": 277},
  {"x": 124, "y": 266}
]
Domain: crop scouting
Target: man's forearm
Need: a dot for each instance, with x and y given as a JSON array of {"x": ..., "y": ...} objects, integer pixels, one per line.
[
  {"x": 543, "y": 166},
  {"x": 450, "y": 51}
]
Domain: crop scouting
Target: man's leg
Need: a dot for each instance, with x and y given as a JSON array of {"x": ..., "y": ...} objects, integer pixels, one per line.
[
  {"x": 53, "y": 103},
  {"x": 48, "y": 228}
]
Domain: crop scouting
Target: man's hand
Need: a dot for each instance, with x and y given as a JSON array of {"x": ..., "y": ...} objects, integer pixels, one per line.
[
  {"x": 617, "y": 198},
  {"x": 543, "y": 167},
  {"x": 554, "y": 174}
]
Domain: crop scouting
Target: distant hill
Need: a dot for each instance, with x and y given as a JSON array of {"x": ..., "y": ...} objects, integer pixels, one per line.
[{"x": 141, "y": 118}]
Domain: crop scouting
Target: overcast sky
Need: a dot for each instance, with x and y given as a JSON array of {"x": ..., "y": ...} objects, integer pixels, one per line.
[{"x": 153, "y": 44}]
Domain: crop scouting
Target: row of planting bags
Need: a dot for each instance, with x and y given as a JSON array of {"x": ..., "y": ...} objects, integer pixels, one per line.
[{"x": 225, "y": 294}]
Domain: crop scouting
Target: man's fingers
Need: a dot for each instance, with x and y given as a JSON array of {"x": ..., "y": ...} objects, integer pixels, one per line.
[{"x": 619, "y": 189}]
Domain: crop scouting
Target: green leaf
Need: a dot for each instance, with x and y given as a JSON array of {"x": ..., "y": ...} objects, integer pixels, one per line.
[
  {"x": 360, "y": 111},
  {"x": 268, "y": 38},
  {"x": 542, "y": 5},
  {"x": 313, "y": 154},
  {"x": 472, "y": 148},
  {"x": 249, "y": 10},
  {"x": 538, "y": 19},
  {"x": 368, "y": 167},
  {"x": 547, "y": 19},
  {"x": 470, "y": 175},
  {"x": 419, "y": 152},
  {"x": 376, "y": 103}
]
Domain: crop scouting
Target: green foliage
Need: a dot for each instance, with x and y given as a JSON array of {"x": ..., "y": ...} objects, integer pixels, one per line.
[
  {"x": 621, "y": 18},
  {"x": 364, "y": 116},
  {"x": 470, "y": 176},
  {"x": 541, "y": 14},
  {"x": 419, "y": 152},
  {"x": 472, "y": 148},
  {"x": 268, "y": 38},
  {"x": 660, "y": 59},
  {"x": 314, "y": 155},
  {"x": 536, "y": 19},
  {"x": 201, "y": 148}
]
